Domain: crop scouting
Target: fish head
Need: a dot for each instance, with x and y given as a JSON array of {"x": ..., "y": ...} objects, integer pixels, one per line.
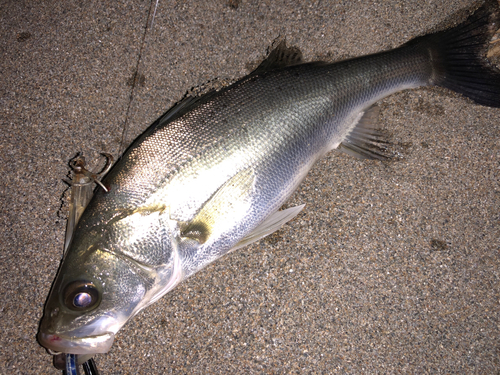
[
  {"x": 90, "y": 301},
  {"x": 101, "y": 284}
]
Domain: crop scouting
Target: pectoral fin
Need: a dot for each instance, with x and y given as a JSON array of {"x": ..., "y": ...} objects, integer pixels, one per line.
[
  {"x": 270, "y": 225},
  {"x": 232, "y": 198}
]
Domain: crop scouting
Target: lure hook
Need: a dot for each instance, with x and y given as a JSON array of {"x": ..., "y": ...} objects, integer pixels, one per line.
[
  {"x": 82, "y": 175},
  {"x": 81, "y": 190}
]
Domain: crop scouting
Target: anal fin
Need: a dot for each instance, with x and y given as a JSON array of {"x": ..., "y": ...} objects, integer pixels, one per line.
[{"x": 365, "y": 141}]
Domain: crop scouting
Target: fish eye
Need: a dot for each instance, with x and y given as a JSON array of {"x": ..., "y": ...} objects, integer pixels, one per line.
[{"x": 81, "y": 295}]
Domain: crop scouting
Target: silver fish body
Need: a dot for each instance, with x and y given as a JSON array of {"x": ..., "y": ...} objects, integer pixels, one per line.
[{"x": 211, "y": 175}]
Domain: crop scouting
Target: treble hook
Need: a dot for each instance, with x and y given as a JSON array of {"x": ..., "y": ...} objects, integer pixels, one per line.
[
  {"x": 81, "y": 191},
  {"x": 82, "y": 175}
]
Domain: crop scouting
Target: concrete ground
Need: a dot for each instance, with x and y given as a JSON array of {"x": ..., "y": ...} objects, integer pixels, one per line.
[{"x": 391, "y": 267}]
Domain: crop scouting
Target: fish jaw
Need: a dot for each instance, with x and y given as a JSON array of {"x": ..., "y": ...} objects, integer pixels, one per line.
[
  {"x": 76, "y": 345},
  {"x": 95, "y": 337}
]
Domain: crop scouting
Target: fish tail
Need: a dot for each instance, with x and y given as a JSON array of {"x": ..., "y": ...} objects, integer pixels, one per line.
[{"x": 458, "y": 56}]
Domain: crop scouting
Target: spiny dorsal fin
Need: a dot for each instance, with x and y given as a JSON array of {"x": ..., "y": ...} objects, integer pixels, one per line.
[
  {"x": 365, "y": 141},
  {"x": 280, "y": 56}
]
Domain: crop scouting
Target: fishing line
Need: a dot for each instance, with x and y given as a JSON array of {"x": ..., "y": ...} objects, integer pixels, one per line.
[
  {"x": 71, "y": 367},
  {"x": 135, "y": 76}
]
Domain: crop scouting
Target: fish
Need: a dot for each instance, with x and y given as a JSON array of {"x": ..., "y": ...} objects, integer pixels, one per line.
[{"x": 211, "y": 174}]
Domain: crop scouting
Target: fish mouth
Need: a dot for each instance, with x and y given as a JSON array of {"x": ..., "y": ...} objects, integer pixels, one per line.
[{"x": 76, "y": 345}]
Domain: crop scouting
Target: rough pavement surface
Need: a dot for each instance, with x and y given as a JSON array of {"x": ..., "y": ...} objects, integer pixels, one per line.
[{"x": 390, "y": 268}]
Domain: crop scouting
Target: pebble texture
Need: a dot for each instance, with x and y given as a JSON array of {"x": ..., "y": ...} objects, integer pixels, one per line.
[{"x": 390, "y": 268}]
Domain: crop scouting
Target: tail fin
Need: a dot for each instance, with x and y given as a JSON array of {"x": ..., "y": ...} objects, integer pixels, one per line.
[{"x": 458, "y": 56}]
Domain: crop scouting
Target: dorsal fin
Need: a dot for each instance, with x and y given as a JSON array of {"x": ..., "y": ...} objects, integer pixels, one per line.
[
  {"x": 280, "y": 56},
  {"x": 178, "y": 109}
]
